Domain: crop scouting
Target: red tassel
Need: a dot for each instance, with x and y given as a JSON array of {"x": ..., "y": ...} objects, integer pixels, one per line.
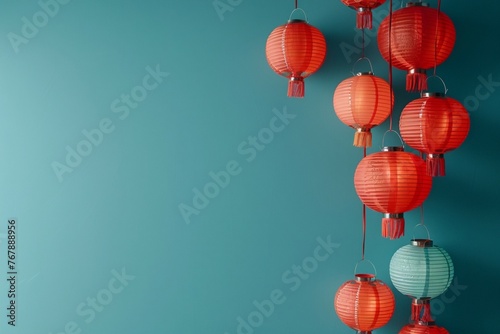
[
  {"x": 421, "y": 312},
  {"x": 296, "y": 87},
  {"x": 415, "y": 312},
  {"x": 393, "y": 225},
  {"x": 435, "y": 165},
  {"x": 416, "y": 80},
  {"x": 364, "y": 18},
  {"x": 363, "y": 138}
]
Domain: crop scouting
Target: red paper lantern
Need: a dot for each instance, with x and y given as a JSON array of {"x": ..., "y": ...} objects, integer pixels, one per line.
[
  {"x": 392, "y": 182},
  {"x": 364, "y": 303},
  {"x": 295, "y": 50},
  {"x": 434, "y": 124},
  {"x": 419, "y": 41},
  {"x": 362, "y": 102},
  {"x": 363, "y": 10}
]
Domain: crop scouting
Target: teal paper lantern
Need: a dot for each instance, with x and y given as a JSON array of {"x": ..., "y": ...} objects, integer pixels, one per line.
[{"x": 421, "y": 270}]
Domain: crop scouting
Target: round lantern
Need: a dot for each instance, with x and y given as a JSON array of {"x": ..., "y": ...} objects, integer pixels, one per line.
[
  {"x": 392, "y": 182},
  {"x": 421, "y": 328},
  {"x": 363, "y": 10},
  {"x": 421, "y": 270},
  {"x": 420, "y": 40},
  {"x": 434, "y": 124},
  {"x": 363, "y": 102},
  {"x": 364, "y": 303},
  {"x": 295, "y": 50}
]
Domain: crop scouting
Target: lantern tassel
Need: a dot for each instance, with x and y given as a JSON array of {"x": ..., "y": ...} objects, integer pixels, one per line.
[
  {"x": 421, "y": 312},
  {"x": 363, "y": 138},
  {"x": 435, "y": 165},
  {"x": 416, "y": 80},
  {"x": 364, "y": 18},
  {"x": 393, "y": 225},
  {"x": 296, "y": 87}
]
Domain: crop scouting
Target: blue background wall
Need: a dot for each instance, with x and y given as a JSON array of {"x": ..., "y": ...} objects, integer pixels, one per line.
[{"x": 103, "y": 247}]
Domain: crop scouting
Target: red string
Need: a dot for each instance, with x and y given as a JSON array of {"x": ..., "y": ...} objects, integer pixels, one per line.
[
  {"x": 436, "y": 38},
  {"x": 363, "y": 49},
  {"x": 422, "y": 206},
  {"x": 390, "y": 62},
  {"x": 364, "y": 220}
]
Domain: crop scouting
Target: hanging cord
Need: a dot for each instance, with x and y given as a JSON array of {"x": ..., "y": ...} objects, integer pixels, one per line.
[
  {"x": 363, "y": 41},
  {"x": 390, "y": 63},
  {"x": 436, "y": 38},
  {"x": 296, "y": 4},
  {"x": 364, "y": 221},
  {"x": 422, "y": 205}
]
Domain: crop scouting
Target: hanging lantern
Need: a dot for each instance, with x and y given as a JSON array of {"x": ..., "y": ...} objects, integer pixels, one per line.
[
  {"x": 392, "y": 182},
  {"x": 363, "y": 102},
  {"x": 364, "y": 303},
  {"x": 434, "y": 124},
  {"x": 420, "y": 40},
  {"x": 421, "y": 270},
  {"x": 363, "y": 10},
  {"x": 295, "y": 50}
]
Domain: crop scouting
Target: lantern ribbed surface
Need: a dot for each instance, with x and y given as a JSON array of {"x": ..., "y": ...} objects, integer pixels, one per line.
[
  {"x": 421, "y": 272},
  {"x": 364, "y": 303},
  {"x": 295, "y": 50},
  {"x": 418, "y": 42},
  {"x": 423, "y": 329},
  {"x": 363, "y": 11},
  {"x": 434, "y": 125},
  {"x": 392, "y": 182},
  {"x": 362, "y": 102}
]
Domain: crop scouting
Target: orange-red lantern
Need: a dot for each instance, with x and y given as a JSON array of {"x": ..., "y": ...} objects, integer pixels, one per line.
[
  {"x": 434, "y": 124},
  {"x": 363, "y": 10},
  {"x": 295, "y": 50},
  {"x": 363, "y": 102},
  {"x": 364, "y": 303},
  {"x": 392, "y": 182},
  {"x": 420, "y": 40}
]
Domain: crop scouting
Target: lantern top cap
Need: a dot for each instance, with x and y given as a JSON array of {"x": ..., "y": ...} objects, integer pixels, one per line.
[
  {"x": 364, "y": 73},
  {"x": 423, "y": 323},
  {"x": 393, "y": 149},
  {"x": 413, "y": 4},
  {"x": 365, "y": 277},
  {"x": 296, "y": 21},
  {"x": 422, "y": 243},
  {"x": 433, "y": 94},
  {"x": 421, "y": 301}
]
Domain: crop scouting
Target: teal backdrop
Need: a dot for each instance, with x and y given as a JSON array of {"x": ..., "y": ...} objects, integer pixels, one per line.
[{"x": 160, "y": 180}]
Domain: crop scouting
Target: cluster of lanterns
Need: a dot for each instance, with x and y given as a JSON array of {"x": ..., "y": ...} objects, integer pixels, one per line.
[{"x": 414, "y": 38}]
